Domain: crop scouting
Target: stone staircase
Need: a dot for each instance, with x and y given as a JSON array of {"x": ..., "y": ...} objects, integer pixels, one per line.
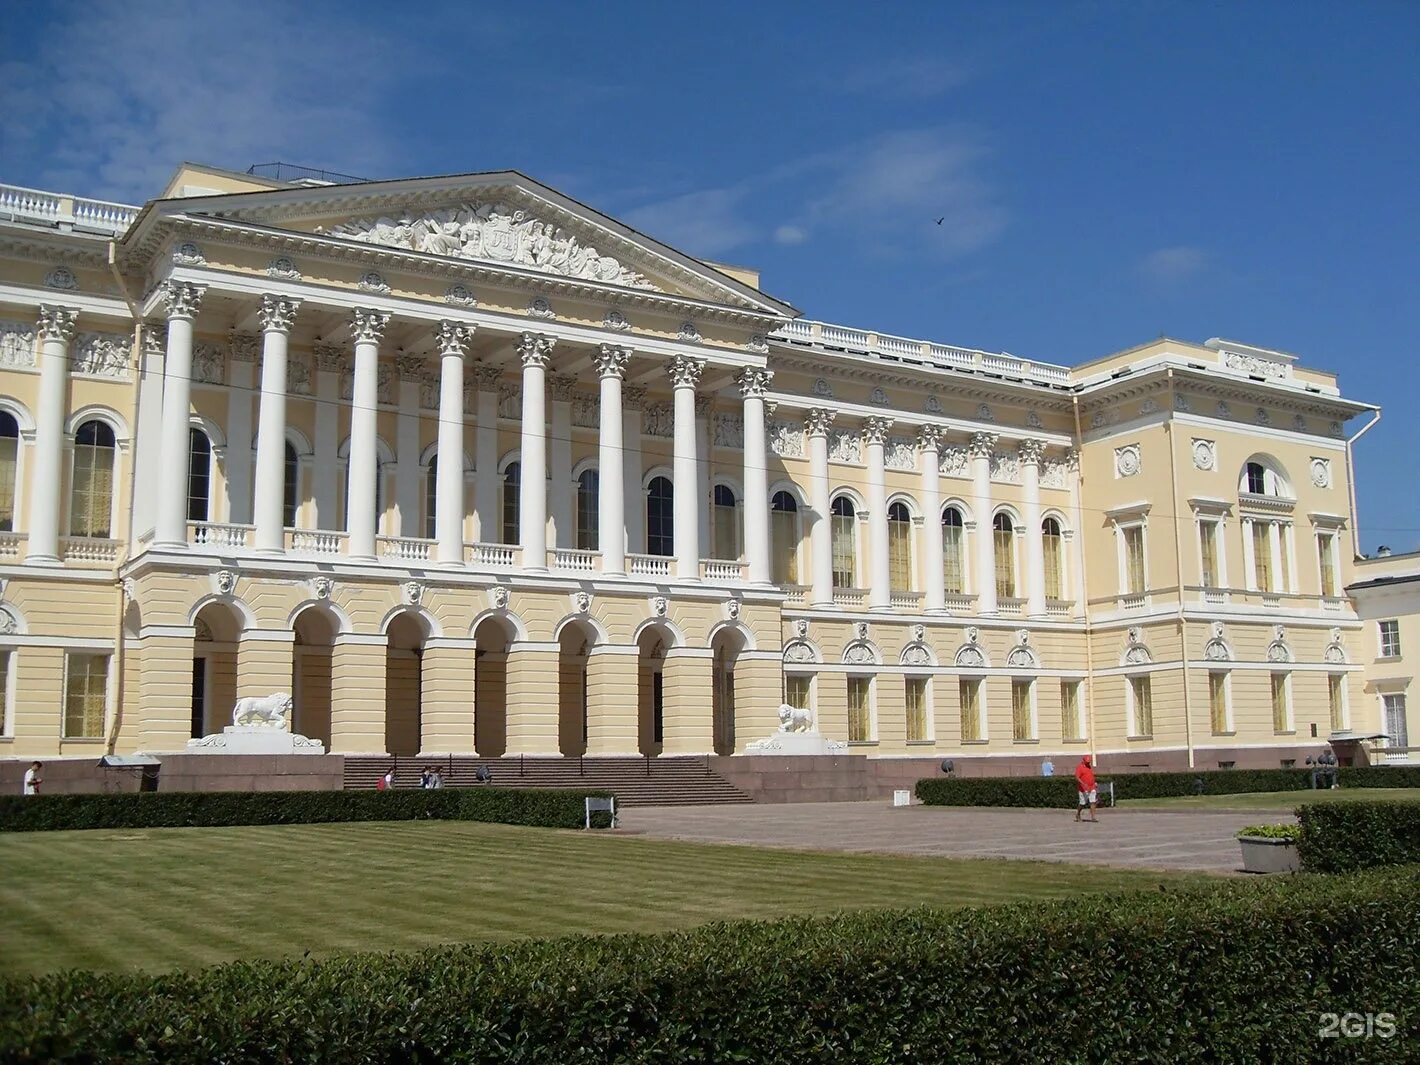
[{"x": 664, "y": 781}]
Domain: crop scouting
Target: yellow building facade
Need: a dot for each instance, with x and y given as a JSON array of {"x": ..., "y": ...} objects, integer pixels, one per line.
[{"x": 468, "y": 467}]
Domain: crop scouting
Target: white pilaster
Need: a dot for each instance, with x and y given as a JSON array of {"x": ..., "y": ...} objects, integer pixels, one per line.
[
  {"x": 753, "y": 384},
  {"x": 1031, "y": 452},
  {"x": 929, "y": 444},
  {"x": 633, "y": 398},
  {"x": 611, "y": 464},
  {"x": 146, "y": 437},
  {"x": 368, "y": 327},
  {"x": 685, "y": 375},
  {"x": 449, "y": 473},
  {"x": 408, "y": 503},
  {"x": 485, "y": 454},
  {"x": 982, "y": 447},
  {"x": 817, "y": 423},
  {"x": 1249, "y": 556},
  {"x": 875, "y": 433},
  {"x": 241, "y": 385},
  {"x": 330, "y": 361},
  {"x": 1274, "y": 540},
  {"x": 183, "y": 300},
  {"x": 56, "y": 329},
  {"x": 562, "y": 528},
  {"x": 533, "y": 350},
  {"x": 277, "y": 314}
]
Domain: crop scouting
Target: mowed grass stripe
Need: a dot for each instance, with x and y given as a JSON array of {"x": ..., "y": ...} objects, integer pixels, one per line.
[{"x": 166, "y": 898}]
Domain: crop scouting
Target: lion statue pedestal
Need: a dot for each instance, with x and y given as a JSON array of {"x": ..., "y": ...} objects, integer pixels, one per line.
[
  {"x": 259, "y": 726},
  {"x": 797, "y": 734}
]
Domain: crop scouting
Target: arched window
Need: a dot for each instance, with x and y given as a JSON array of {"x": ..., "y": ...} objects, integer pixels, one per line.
[
  {"x": 660, "y": 517},
  {"x": 1263, "y": 478},
  {"x": 9, "y": 465},
  {"x": 1004, "y": 532},
  {"x": 199, "y": 476},
  {"x": 724, "y": 523},
  {"x": 512, "y": 501},
  {"x": 953, "y": 552},
  {"x": 588, "y": 508},
  {"x": 1051, "y": 544},
  {"x": 845, "y": 561},
  {"x": 291, "y": 499},
  {"x": 431, "y": 499},
  {"x": 1270, "y": 543},
  {"x": 784, "y": 537},
  {"x": 91, "y": 501},
  {"x": 899, "y": 548}
]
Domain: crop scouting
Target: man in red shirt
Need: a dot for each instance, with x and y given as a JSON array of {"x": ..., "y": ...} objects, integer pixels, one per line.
[{"x": 1085, "y": 785}]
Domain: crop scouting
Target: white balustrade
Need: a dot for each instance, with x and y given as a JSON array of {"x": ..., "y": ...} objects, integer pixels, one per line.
[
  {"x": 798, "y": 329},
  {"x": 218, "y": 534},
  {"x": 1009, "y": 606},
  {"x": 723, "y": 571},
  {"x": 900, "y": 347},
  {"x": 649, "y": 565},
  {"x": 315, "y": 542},
  {"x": 841, "y": 337},
  {"x": 957, "y": 603},
  {"x": 12, "y": 545},
  {"x": 1134, "y": 602},
  {"x": 404, "y": 548},
  {"x": 571, "y": 560},
  {"x": 1215, "y": 596},
  {"x": 796, "y": 594},
  {"x": 90, "y": 549},
  {"x": 495, "y": 556},
  {"x": 851, "y": 598},
  {"x": 1271, "y": 602},
  {"x": 53, "y": 208},
  {"x": 1057, "y": 608},
  {"x": 910, "y": 601},
  {"x": 957, "y": 358},
  {"x": 1332, "y": 603}
]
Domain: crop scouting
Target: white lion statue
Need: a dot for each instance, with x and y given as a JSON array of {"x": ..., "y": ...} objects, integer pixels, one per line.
[
  {"x": 795, "y": 718},
  {"x": 274, "y": 711}
]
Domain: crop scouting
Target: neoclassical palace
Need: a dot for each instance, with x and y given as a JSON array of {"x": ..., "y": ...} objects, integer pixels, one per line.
[{"x": 469, "y": 467}]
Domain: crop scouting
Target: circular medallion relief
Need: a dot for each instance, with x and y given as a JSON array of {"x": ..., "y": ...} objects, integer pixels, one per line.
[{"x": 1204, "y": 457}]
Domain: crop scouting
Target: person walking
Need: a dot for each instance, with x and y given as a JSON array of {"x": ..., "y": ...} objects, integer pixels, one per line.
[
  {"x": 1085, "y": 785},
  {"x": 385, "y": 782},
  {"x": 33, "y": 779},
  {"x": 426, "y": 778}
]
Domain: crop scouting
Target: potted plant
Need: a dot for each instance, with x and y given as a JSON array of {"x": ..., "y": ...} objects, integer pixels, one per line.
[{"x": 1270, "y": 848}]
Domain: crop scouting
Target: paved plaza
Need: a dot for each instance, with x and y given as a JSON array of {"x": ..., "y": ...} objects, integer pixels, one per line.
[{"x": 1192, "y": 840}]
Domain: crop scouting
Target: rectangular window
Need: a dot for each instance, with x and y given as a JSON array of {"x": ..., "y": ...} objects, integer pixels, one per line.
[
  {"x": 969, "y": 692},
  {"x": 1326, "y": 556},
  {"x": 724, "y": 525},
  {"x": 1143, "y": 700},
  {"x": 900, "y": 556},
  {"x": 843, "y": 554},
  {"x": 1005, "y": 542},
  {"x": 85, "y": 696},
  {"x": 1218, "y": 703},
  {"x": 1054, "y": 569},
  {"x": 1281, "y": 705},
  {"x": 1022, "y": 719},
  {"x": 917, "y": 709},
  {"x": 1133, "y": 559},
  {"x": 658, "y": 707},
  {"x": 785, "y": 538},
  {"x": 1394, "y": 724},
  {"x": 1261, "y": 556},
  {"x": 1336, "y": 700},
  {"x": 796, "y": 691},
  {"x": 1208, "y": 553},
  {"x": 1390, "y": 639},
  {"x": 9, "y": 463},
  {"x": 953, "y": 548},
  {"x": 859, "y": 714},
  {"x": 1071, "y": 725}
]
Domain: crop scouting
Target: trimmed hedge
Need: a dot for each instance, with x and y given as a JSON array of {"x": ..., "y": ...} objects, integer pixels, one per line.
[
  {"x": 1235, "y": 971},
  {"x": 1059, "y": 791},
  {"x": 1340, "y": 837},
  {"x": 537, "y": 807}
]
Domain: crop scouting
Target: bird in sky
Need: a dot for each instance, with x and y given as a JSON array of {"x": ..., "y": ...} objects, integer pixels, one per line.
[{"x": 941, "y": 220}]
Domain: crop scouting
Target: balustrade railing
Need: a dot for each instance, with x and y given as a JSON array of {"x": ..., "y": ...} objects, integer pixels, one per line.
[
  {"x": 648, "y": 565},
  {"x": 1136, "y": 601},
  {"x": 315, "y": 542},
  {"x": 1010, "y": 606},
  {"x": 219, "y": 535},
  {"x": 796, "y": 594},
  {"x": 59, "y": 209},
  {"x": 959, "y": 603},
  {"x": 721, "y": 570},
  {"x": 1057, "y": 608},
  {"x": 12, "y": 546},
  {"x": 498, "y": 556},
  {"x": 910, "y": 601},
  {"x": 405, "y": 548},
  {"x": 91, "y": 549},
  {"x": 574, "y": 560},
  {"x": 851, "y": 598}
]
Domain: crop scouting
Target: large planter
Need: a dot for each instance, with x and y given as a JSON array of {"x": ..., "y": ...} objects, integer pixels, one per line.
[{"x": 1263, "y": 855}]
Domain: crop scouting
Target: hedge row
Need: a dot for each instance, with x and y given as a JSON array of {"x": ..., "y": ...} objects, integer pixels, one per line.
[
  {"x": 1340, "y": 837},
  {"x": 1234, "y": 971},
  {"x": 1059, "y": 791},
  {"x": 544, "y": 808}
]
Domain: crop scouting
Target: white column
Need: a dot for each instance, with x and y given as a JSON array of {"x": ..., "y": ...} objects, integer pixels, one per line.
[
  {"x": 1274, "y": 540},
  {"x": 277, "y": 316},
  {"x": 448, "y": 486},
  {"x": 817, "y": 423},
  {"x": 408, "y": 503},
  {"x": 330, "y": 361},
  {"x": 753, "y": 384},
  {"x": 368, "y": 327},
  {"x": 1077, "y": 539},
  {"x": 611, "y": 464},
  {"x": 533, "y": 349},
  {"x": 241, "y": 384},
  {"x": 563, "y": 526},
  {"x": 929, "y": 445},
  {"x": 182, "y": 299},
  {"x": 875, "y": 433},
  {"x": 633, "y": 397},
  {"x": 702, "y": 472},
  {"x": 485, "y": 454},
  {"x": 146, "y": 435},
  {"x": 685, "y": 375},
  {"x": 1031, "y": 452},
  {"x": 56, "y": 329},
  {"x": 982, "y": 447},
  {"x": 1289, "y": 531}
]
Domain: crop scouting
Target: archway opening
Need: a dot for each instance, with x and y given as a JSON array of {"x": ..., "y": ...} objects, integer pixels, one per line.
[
  {"x": 311, "y": 672},
  {"x": 403, "y": 688},
  {"x": 490, "y": 687},
  {"x": 725, "y": 650},
  {"x": 575, "y": 643},
  {"x": 651, "y": 650},
  {"x": 217, "y": 631}
]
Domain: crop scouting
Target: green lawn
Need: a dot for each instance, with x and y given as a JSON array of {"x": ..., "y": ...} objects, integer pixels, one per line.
[
  {"x": 1273, "y": 800},
  {"x": 185, "y": 897}
]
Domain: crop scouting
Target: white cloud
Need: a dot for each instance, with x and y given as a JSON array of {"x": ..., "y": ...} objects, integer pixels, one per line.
[
  {"x": 790, "y": 235},
  {"x": 709, "y": 222},
  {"x": 1174, "y": 264},
  {"x": 902, "y": 79}
]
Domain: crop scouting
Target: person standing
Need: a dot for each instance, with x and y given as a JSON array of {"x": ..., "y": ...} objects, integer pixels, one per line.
[
  {"x": 33, "y": 779},
  {"x": 1085, "y": 785},
  {"x": 426, "y": 778},
  {"x": 1047, "y": 768},
  {"x": 385, "y": 782}
]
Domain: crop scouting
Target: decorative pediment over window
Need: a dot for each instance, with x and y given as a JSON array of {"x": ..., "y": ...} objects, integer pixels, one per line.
[
  {"x": 971, "y": 655},
  {"x": 917, "y": 653},
  {"x": 1217, "y": 649},
  {"x": 1135, "y": 653},
  {"x": 799, "y": 649},
  {"x": 1335, "y": 652},
  {"x": 1277, "y": 650},
  {"x": 1023, "y": 656},
  {"x": 493, "y": 232},
  {"x": 861, "y": 651}
]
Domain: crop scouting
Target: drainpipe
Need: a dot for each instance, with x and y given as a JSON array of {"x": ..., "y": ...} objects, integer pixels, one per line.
[
  {"x": 120, "y": 672},
  {"x": 1178, "y": 578},
  {"x": 1085, "y": 583},
  {"x": 1351, "y": 481}
]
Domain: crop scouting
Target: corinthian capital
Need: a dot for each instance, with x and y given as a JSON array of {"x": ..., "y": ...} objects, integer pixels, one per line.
[
  {"x": 754, "y": 382},
  {"x": 685, "y": 372},
  {"x": 56, "y": 323},
  {"x": 818, "y": 420},
  {"x": 1031, "y": 452},
  {"x": 278, "y": 313},
  {"x": 612, "y": 360},
  {"x": 875, "y": 430},
  {"x": 929, "y": 438},
  {"x": 368, "y": 325},
  {"x": 982, "y": 445},
  {"x": 453, "y": 337},
  {"x": 534, "y": 348},
  {"x": 183, "y": 298}
]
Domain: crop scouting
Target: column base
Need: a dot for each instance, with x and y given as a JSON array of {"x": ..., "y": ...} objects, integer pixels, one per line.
[
  {"x": 362, "y": 558},
  {"x": 47, "y": 561},
  {"x": 270, "y": 552},
  {"x": 452, "y": 564},
  {"x": 168, "y": 545}
]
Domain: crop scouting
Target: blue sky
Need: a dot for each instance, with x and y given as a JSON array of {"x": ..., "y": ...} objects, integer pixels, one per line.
[{"x": 1106, "y": 172}]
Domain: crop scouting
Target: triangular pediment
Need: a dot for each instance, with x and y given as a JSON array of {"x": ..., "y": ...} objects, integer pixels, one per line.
[{"x": 500, "y": 219}]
